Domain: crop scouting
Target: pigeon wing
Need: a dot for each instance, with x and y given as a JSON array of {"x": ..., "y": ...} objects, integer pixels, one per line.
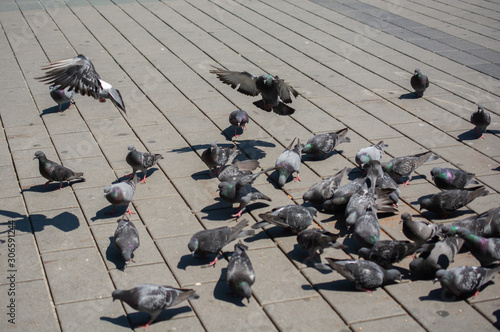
[
  {"x": 285, "y": 91},
  {"x": 243, "y": 82}
]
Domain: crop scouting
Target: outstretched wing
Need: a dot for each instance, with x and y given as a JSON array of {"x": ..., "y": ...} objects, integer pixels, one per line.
[
  {"x": 243, "y": 82},
  {"x": 285, "y": 91}
]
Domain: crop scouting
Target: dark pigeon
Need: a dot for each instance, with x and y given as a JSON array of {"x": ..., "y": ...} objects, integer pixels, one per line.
[
  {"x": 481, "y": 119},
  {"x": 374, "y": 152},
  {"x": 79, "y": 75},
  {"x": 293, "y": 217},
  {"x": 367, "y": 229},
  {"x": 141, "y": 161},
  {"x": 385, "y": 253},
  {"x": 152, "y": 299},
  {"x": 464, "y": 281},
  {"x": 419, "y": 82},
  {"x": 436, "y": 256},
  {"x": 240, "y": 273},
  {"x": 487, "y": 224},
  {"x": 288, "y": 163},
  {"x": 404, "y": 166},
  {"x": 343, "y": 194},
  {"x": 238, "y": 118},
  {"x": 449, "y": 178},
  {"x": 274, "y": 91},
  {"x": 448, "y": 201},
  {"x": 126, "y": 239},
  {"x": 324, "y": 189},
  {"x": 323, "y": 144},
  {"x": 236, "y": 171},
  {"x": 61, "y": 96},
  {"x": 316, "y": 240},
  {"x": 485, "y": 250},
  {"x": 52, "y": 171},
  {"x": 418, "y": 230},
  {"x": 211, "y": 241},
  {"x": 216, "y": 156},
  {"x": 121, "y": 193}
]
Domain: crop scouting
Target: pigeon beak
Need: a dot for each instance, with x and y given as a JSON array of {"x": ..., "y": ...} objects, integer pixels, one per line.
[
  {"x": 218, "y": 189},
  {"x": 435, "y": 280},
  {"x": 34, "y": 158}
]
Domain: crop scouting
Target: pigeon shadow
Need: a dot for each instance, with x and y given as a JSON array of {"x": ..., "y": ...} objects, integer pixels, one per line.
[
  {"x": 251, "y": 148},
  {"x": 220, "y": 210},
  {"x": 64, "y": 221},
  {"x": 202, "y": 175},
  {"x": 228, "y": 133},
  {"x": 140, "y": 176},
  {"x": 41, "y": 188},
  {"x": 468, "y": 136},
  {"x": 341, "y": 285},
  {"x": 190, "y": 260},
  {"x": 103, "y": 213},
  {"x": 55, "y": 109},
  {"x": 223, "y": 292},
  {"x": 139, "y": 319},
  {"x": 313, "y": 158},
  {"x": 497, "y": 316},
  {"x": 409, "y": 95},
  {"x": 434, "y": 295},
  {"x": 299, "y": 254},
  {"x": 114, "y": 256},
  {"x": 119, "y": 321}
]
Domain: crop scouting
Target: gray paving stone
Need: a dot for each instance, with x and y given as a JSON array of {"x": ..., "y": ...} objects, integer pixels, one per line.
[
  {"x": 26, "y": 264},
  {"x": 27, "y": 137},
  {"x": 490, "y": 310},
  {"x": 398, "y": 323},
  {"x": 40, "y": 198},
  {"x": 9, "y": 182},
  {"x": 96, "y": 172},
  {"x": 76, "y": 145}
]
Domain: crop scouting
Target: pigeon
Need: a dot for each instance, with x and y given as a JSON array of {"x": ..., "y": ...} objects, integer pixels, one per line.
[
  {"x": 274, "y": 91},
  {"x": 464, "y": 281},
  {"x": 343, "y": 194},
  {"x": 293, "y": 217},
  {"x": 315, "y": 240},
  {"x": 79, "y": 75},
  {"x": 153, "y": 298},
  {"x": 121, "y": 193},
  {"x": 449, "y": 178},
  {"x": 418, "y": 230},
  {"x": 52, "y": 171},
  {"x": 141, "y": 161},
  {"x": 366, "y": 275},
  {"x": 374, "y": 152},
  {"x": 367, "y": 228},
  {"x": 447, "y": 201},
  {"x": 435, "y": 256},
  {"x": 404, "y": 166},
  {"x": 481, "y": 119},
  {"x": 241, "y": 191},
  {"x": 289, "y": 162},
  {"x": 486, "y": 224},
  {"x": 238, "y": 118},
  {"x": 240, "y": 273},
  {"x": 126, "y": 239},
  {"x": 419, "y": 82},
  {"x": 323, "y": 144},
  {"x": 485, "y": 250},
  {"x": 61, "y": 96},
  {"x": 236, "y": 171},
  {"x": 215, "y": 156},
  {"x": 211, "y": 241},
  {"x": 386, "y": 252},
  {"x": 324, "y": 189},
  {"x": 384, "y": 181}
]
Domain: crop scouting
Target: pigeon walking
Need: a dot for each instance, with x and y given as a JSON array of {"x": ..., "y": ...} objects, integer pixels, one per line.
[
  {"x": 385, "y": 253},
  {"x": 448, "y": 201},
  {"x": 240, "y": 273},
  {"x": 126, "y": 239},
  {"x": 485, "y": 250},
  {"x": 419, "y": 82},
  {"x": 323, "y": 144},
  {"x": 374, "y": 152},
  {"x": 316, "y": 240},
  {"x": 324, "y": 189},
  {"x": 141, "y": 161},
  {"x": 404, "y": 166},
  {"x": 293, "y": 217},
  {"x": 121, "y": 193},
  {"x": 79, "y": 75},
  {"x": 449, "y": 178},
  {"x": 236, "y": 171},
  {"x": 238, "y": 118},
  {"x": 418, "y": 230},
  {"x": 52, "y": 171},
  {"x": 436, "y": 256},
  {"x": 288, "y": 163},
  {"x": 274, "y": 91},
  {"x": 216, "y": 156},
  {"x": 61, "y": 96},
  {"x": 152, "y": 299},
  {"x": 481, "y": 119}
]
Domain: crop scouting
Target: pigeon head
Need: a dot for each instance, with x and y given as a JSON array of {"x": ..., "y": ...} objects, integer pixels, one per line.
[
  {"x": 405, "y": 217},
  {"x": 417, "y": 72},
  {"x": 240, "y": 247},
  {"x": 450, "y": 230},
  {"x": 439, "y": 275},
  {"x": 283, "y": 176},
  {"x": 131, "y": 148},
  {"x": 364, "y": 252},
  {"x": 480, "y": 108},
  {"x": 393, "y": 275},
  {"x": 107, "y": 190},
  {"x": 39, "y": 155},
  {"x": 312, "y": 210},
  {"x": 425, "y": 203},
  {"x": 193, "y": 245},
  {"x": 363, "y": 159},
  {"x": 116, "y": 294}
]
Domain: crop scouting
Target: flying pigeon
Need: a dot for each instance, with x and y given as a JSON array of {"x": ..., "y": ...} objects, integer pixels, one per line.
[
  {"x": 418, "y": 230},
  {"x": 464, "y": 281},
  {"x": 240, "y": 273},
  {"x": 61, "y": 96},
  {"x": 79, "y": 75},
  {"x": 449, "y": 178},
  {"x": 435, "y": 256},
  {"x": 323, "y": 144},
  {"x": 52, "y": 171},
  {"x": 366, "y": 275},
  {"x": 274, "y": 91},
  {"x": 153, "y": 298},
  {"x": 404, "y": 166},
  {"x": 481, "y": 119},
  {"x": 386, "y": 252},
  {"x": 236, "y": 171},
  {"x": 289, "y": 162},
  {"x": 324, "y": 189},
  {"x": 374, "y": 152},
  {"x": 315, "y": 240},
  {"x": 486, "y": 250},
  {"x": 216, "y": 156},
  {"x": 121, "y": 193},
  {"x": 141, "y": 161},
  {"x": 447, "y": 201},
  {"x": 211, "y": 241},
  {"x": 126, "y": 239},
  {"x": 293, "y": 217},
  {"x": 419, "y": 82},
  {"x": 238, "y": 118}
]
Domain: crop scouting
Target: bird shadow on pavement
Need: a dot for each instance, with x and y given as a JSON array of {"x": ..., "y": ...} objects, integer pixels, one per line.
[
  {"x": 114, "y": 256},
  {"x": 299, "y": 254},
  {"x": 310, "y": 157},
  {"x": 41, "y": 188},
  {"x": 409, "y": 95},
  {"x": 139, "y": 319},
  {"x": 471, "y": 135},
  {"x": 222, "y": 291},
  {"x": 434, "y": 295},
  {"x": 103, "y": 213},
  {"x": 497, "y": 316},
  {"x": 64, "y": 221},
  {"x": 220, "y": 210},
  {"x": 140, "y": 176},
  {"x": 55, "y": 109},
  {"x": 190, "y": 260},
  {"x": 228, "y": 133},
  {"x": 341, "y": 285},
  {"x": 202, "y": 175},
  {"x": 251, "y": 148}
]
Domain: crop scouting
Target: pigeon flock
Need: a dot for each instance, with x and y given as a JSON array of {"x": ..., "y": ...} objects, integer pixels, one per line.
[{"x": 433, "y": 246}]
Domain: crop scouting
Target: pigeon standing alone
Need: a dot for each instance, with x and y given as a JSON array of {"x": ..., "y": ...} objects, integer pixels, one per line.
[
  {"x": 403, "y": 166},
  {"x": 293, "y": 217},
  {"x": 141, "y": 161},
  {"x": 121, "y": 193},
  {"x": 374, "y": 152},
  {"x": 238, "y": 118},
  {"x": 419, "y": 82},
  {"x": 216, "y": 156},
  {"x": 448, "y": 201},
  {"x": 126, "y": 239},
  {"x": 240, "y": 273},
  {"x": 481, "y": 119},
  {"x": 449, "y": 178},
  {"x": 289, "y": 162},
  {"x": 52, "y": 171},
  {"x": 323, "y": 144},
  {"x": 61, "y": 96},
  {"x": 315, "y": 240}
]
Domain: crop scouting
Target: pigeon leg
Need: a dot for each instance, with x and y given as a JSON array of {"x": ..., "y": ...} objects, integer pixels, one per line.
[
  {"x": 482, "y": 136},
  {"x": 59, "y": 109},
  {"x": 129, "y": 212},
  {"x": 212, "y": 263},
  {"x": 237, "y": 215},
  {"x": 46, "y": 184},
  {"x": 297, "y": 178},
  {"x": 143, "y": 179},
  {"x": 60, "y": 185},
  {"x": 406, "y": 183},
  {"x": 366, "y": 290}
]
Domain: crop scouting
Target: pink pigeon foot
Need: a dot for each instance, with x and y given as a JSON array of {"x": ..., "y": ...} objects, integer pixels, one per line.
[
  {"x": 129, "y": 212},
  {"x": 237, "y": 215},
  {"x": 212, "y": 263},
  {"x": 297, "y": 178},
  {"x": 143, "y": 179}
]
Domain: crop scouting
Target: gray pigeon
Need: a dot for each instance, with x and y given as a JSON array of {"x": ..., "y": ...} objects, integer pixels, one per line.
[
  {"x": 324, "y": 189},
  {"x": 418, "y": 230},
  {"x": 293, "y": 217},
  {"x": 240, "y": 273},
  {"x": 386, "y": 252},
  {"x": 343, "y": 194},
  {"x": 435, "y": 256},
  {"x": 126, "y": 239},
  {"x": 52, "y": 171},
  {"x": 121, "y": 193},
  {"x": 236, "y": 171},
  {"x": 315, "y": 240},
  {"x": 464, "y": 281},
  {"x": 404, "y": 166},
  {"x": 366, "y": 275},
  {"x": 79, "y": 75},
  {"x": 141, "y": 161},
  {"x": 153, "y": 298},
  {"x": 323, "y": 144},
  {"x": 384, "y": 181},
  {"x": 481, "y": 119},
  {"x": 61, "y": 96},
  {"x": 419, "y": 82},
  {"x": 374, "y": 152},
  {"x": 487, "y": 224},
  {"x": 485, "y": 250},
  {"x": 367, "y": 228},
  {"x": 216, "y": 156},
  {"x": 449, "y": 178},
  {"x": 289, "y": 162},
  {"x": 274, "y": 91},
  {"x": 448, "y": 201},
  {"x": 238, "y": 118},
  {"x": 211, "y": 241}
]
